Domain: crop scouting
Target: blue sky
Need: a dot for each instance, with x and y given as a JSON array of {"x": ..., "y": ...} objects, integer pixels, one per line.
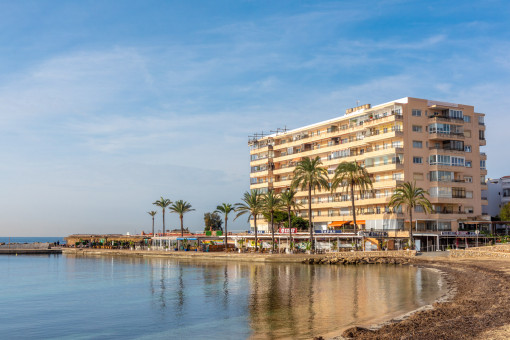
[{"x": 107, "y": 105}]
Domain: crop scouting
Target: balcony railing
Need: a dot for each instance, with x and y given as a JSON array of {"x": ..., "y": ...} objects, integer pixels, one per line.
[
  {"x": 445, "y": 148},
  {"x": 447, "y": 118},
  {"x": 446, "y": 134}
]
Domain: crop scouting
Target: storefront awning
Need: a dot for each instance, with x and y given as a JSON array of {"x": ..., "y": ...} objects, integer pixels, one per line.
[{"x": 338, "y": 223}]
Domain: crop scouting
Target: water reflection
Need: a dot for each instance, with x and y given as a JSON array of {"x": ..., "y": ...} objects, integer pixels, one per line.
[{"x": 274, "y": 301}]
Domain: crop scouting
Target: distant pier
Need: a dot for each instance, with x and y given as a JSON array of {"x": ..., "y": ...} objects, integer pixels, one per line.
[{"x": 29, "y": 249}]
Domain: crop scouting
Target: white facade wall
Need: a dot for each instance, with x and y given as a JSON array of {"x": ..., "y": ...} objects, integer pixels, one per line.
[{"x": 498, "y": 194}]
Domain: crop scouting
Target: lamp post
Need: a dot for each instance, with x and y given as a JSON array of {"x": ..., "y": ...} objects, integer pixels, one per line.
[{"x": 477, "y": 232}]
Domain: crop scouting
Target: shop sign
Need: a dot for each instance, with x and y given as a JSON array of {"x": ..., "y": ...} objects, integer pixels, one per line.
[{"x": 286, "y": 230}]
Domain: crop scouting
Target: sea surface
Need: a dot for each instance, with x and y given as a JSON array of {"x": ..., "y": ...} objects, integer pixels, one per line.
[
  {"x": 68, "y": 297},
  {"x": 32, "y": 239}
]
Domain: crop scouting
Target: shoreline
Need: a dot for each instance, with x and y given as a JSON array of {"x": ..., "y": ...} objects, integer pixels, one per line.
[
  {"x": 478, "y": 306},
  {"x": 475, "y": 306}
]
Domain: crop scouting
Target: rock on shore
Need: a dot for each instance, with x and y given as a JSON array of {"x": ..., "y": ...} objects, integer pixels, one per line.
[{"x": 356, "y": 260}]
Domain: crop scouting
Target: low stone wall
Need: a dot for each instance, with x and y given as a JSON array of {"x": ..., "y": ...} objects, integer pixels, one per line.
[{"x": 498, "y": 251}]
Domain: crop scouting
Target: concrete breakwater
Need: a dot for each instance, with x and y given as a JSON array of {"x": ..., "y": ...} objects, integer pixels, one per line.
[{"x": 29, "y": 248}]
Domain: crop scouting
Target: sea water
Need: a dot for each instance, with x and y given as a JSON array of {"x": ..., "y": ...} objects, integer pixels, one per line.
[
  {"x": 52, "y": 239},
  {"x": 72, "y": 297}
]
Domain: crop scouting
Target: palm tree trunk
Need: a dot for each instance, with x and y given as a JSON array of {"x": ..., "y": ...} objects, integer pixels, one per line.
[
  {"x": 255, "y": 224},
  {"x": 353, "y": 208},
  {"x": 411, "y": 228},
  {"x": 152, "y": 226},
  {"x": 310, "y": 216},
  {"x": 163, "y": 221},
  {"x": 272, "y": 229},
  {"x": 182, "y": 226},
  {"x": 226, "y": 244},
  {"x": 290, "y": 227}
]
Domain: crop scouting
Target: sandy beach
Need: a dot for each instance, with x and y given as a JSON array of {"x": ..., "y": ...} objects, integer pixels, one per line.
[{"x": 479, "y": 307}]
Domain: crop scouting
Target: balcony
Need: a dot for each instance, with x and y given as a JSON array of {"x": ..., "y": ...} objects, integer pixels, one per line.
[
  {"x": 442, "y": 118},
  {"x": 483, "y": 156},
  {"x": 445, "y": 135},
  {"x": 482, "y": 142}
]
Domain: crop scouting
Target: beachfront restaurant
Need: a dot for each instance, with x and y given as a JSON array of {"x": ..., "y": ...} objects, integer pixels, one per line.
[
  {"x": 108, "y": 241},
  {"x": 190, "y": 243}
]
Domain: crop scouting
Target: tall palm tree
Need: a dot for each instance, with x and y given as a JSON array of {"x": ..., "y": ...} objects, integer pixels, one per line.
[
  {"x": 288, "y": 198},
  {"x": 308, "y": 175},
  {"x": 152, "y": 213},
  {"x": 351, "y": 175},
  {"x": 411, "y": 196},
  {"x": 181, "y": 207},
  {"x": 271, "y": 203},
  {"x": 251, "y": 205},
  {"x": 225, "y": 209},
  {"x": 163, "y": 203}
]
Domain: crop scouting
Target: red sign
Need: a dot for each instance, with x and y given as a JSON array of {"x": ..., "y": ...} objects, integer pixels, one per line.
[{"x": 286, "y": 230}]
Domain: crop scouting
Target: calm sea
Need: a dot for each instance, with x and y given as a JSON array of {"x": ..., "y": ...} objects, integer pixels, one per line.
[
  {"x": 66, "y": 297},
  {"x": 31, "y": 239}
]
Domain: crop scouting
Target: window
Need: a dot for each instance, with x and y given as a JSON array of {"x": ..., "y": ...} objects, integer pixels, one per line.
[
  {"x": 467, "y": 148},
  {"x": 416, "y": 113},
  {"x": 456, "y": 114},
  {"x": 467, "y": 134},
  {"x": 480, "y": 120},
  {"x": 481, "y": 135},
  {"x": 440, "y": 192},
  {"x": 398, "y": 176},
  {"x": 418, "y": 176},
  {"x": 458, "y": 161},
  {"x": 441, "y": 176},
  {"x": 417, "y": 144},
  {"x": 417, "y": 128},
  {"x": 482, "y": 165},
  {"x": 469, "y": 194},
  {"x": 468, "y": 179},
  {"x": 467, "y": 119},
  {"x": 418, "y": 209},
  {"x": 397, "y": 144},
  {"x": 439, "y": 160},
  {"x": 417, "y": 160},
  {"x": 468, "y": 164}
]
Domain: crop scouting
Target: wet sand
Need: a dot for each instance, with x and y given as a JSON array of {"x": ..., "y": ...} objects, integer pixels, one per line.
[{"x": 479, "y": 308}]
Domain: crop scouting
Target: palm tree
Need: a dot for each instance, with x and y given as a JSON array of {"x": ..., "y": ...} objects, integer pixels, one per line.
[
  {"x": 288, "y": 198},
  {"x": 181, "y": 207},
  {"x": 271, "y": 203},
  {"x": 411, "y": 196},
  {"x": 251, "y": 205},
  {"x": 152, "y": 213},
  {"x": 350, "y": 175},
  {"x": 309, "y": 174},
  {"x": 225, "y": 209},
  {"x": 163, "y": 203}
]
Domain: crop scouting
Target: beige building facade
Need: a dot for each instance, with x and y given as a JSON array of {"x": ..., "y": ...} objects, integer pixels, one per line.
[{"x": 436, "y": 144}]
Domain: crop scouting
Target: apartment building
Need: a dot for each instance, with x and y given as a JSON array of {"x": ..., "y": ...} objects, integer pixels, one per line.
[
  {"x": 498, "y": 194},
  {"x": 436, "y": 144}
]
